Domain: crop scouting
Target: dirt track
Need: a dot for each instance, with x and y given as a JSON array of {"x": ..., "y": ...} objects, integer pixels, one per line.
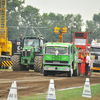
[{"x": 29, "y": 83}]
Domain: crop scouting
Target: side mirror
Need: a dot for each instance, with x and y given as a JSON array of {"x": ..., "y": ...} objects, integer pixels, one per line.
[
  {"x": 40, "y": 49},
  {"x": 21, "y": 43}
]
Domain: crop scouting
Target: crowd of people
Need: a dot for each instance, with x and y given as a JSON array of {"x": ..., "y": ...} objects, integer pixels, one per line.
[{"x": 86, "y": 67}]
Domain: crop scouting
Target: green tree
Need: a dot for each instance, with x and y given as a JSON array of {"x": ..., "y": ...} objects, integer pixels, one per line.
[
  {"x": 13, "y": 17},
  {"x": 26, "y": 18},
  {"x": 96, "y": 18},
  {"x": 31, "y": 22},
  {"x": 30, "y": 17},
  {"x": 51, "y": 20},
  {"x": 94, "y": 27}
]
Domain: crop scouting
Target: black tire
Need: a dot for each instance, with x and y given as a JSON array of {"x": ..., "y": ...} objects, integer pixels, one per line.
[
  {"x": 45, "y": 73},
  {"x": 16, "y": 63},
  {"x": 38, "y": 63},
  {"x": 75, "y": 72},
  {"x": 69, "y": 74}
]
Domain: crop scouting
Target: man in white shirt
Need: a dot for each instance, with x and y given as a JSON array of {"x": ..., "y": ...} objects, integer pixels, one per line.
[
  {"x": 87, "y": 64},
  {"x": 87, "y": 59}
]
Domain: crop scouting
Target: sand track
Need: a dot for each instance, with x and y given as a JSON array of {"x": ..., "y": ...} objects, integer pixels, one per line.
[{"x": 30, "y": 83}]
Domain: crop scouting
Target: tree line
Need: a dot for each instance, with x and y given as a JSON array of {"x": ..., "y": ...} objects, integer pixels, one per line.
[{"x": 28, "y": 21}]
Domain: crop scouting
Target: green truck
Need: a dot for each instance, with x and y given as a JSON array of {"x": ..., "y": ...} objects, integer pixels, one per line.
[
  {"x": 30, "y": 55},
  {"x": 60, "y": 58}
]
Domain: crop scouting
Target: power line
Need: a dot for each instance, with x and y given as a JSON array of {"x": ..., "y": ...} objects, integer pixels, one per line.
[{"x": 25, "y": 27}]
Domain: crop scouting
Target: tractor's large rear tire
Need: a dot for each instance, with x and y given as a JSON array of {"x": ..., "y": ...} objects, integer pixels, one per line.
[
  {"x": 38, "y": 63},
  {"x": 16, "y": 63}
]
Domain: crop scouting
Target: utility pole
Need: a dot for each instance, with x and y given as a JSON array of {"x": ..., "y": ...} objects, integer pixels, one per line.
[{"x": 71, "y": 25}]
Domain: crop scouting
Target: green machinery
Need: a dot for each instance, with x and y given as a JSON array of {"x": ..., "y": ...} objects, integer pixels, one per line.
[
  {"x": 30, "y": 55},
  {"x": 60, "y": 58}
]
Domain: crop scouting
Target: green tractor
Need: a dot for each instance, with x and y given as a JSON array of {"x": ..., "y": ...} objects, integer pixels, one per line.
[{"x": 30, "y": 55}]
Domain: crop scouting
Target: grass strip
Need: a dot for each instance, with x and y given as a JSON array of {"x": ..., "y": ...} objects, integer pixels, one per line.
[
  {"x": 72, "y": 94},
  {"x": 6, "y": 70}
]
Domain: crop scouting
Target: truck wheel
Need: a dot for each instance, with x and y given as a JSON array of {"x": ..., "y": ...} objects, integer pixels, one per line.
[
  {"x": 16, "y": 63},
  {"x": 75, "y": 73},
  {"x": 45, "y": 73},
  {"x": 70, "y": 73},
  {"x": 38, "y": 63}
]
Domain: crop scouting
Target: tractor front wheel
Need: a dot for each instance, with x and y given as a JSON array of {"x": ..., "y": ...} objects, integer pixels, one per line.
[
  {"x": 16, "y": 63},
  {"x": 38, "y": 63}
]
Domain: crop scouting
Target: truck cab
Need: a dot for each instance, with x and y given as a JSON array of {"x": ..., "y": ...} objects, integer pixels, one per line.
[
  {"x": 95, "y": 54},
  {"x": 80, "y": 40},
  {"x": 60, "y": 58}
]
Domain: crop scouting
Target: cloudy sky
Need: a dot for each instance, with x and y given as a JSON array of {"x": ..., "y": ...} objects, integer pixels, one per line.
[{"x": 87, "y": 8}]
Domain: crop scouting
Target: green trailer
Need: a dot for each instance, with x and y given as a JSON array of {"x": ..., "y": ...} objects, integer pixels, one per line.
[{"x": 60, "y": 58}]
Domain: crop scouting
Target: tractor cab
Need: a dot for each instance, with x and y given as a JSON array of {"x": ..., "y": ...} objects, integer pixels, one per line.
[{"x": 36, "y": 43}]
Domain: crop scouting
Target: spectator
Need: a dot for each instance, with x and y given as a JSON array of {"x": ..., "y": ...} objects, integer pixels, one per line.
[
  {"x": 83, "y": 65},
  {"x": 87, "y": 64},
  {"x": 91, "y": 67},
  {"x": 32, "y": 44}
]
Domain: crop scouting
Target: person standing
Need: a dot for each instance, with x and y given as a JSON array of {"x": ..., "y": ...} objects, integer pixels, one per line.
[
  {"x": 91, "y": 66},
  {"x": 87, "y": 64},
  {"x": 83, "y": 65}
]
